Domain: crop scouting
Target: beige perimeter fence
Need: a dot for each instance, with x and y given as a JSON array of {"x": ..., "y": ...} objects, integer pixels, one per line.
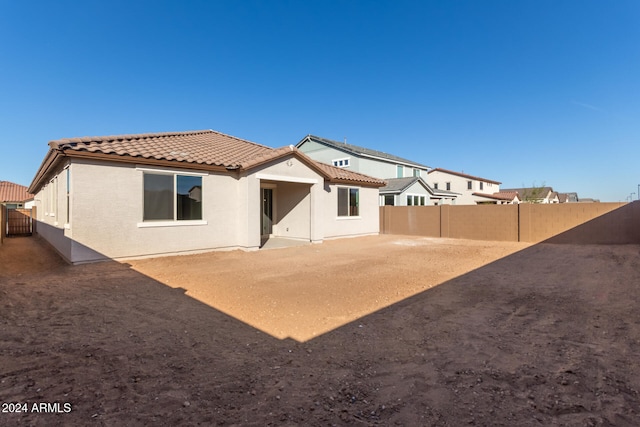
[{"x": 585, "y": 223}]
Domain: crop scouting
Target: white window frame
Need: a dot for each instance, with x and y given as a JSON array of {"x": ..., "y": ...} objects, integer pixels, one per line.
[
  {"x": 415, "y": 196},
  {"x": 347, "y": 217},
  {"x": 175, "y": 222},
  {"x": 67, "y": 223},
  {"x": 343, "y": 162}
]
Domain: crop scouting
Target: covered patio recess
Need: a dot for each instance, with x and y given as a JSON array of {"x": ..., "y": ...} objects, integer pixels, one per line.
[{"x": 286, "y": 216}]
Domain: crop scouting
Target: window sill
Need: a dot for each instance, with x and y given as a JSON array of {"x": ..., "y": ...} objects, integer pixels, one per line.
[
  {"x": 348, "y": 217},
  {"x": 67, "y": 226},
  {"x": 149, "y": 224}
]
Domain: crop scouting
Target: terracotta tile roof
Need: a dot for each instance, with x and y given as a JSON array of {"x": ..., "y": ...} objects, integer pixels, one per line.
[
  {"x": 500, "y": 195},
  {"x": 464, "y": 175},
  {"x": 343, "y": 175},
  {"x": 204, "y": 147},
  {"x": 201, "y": 147},
  {"x": 10, "y": 192}
]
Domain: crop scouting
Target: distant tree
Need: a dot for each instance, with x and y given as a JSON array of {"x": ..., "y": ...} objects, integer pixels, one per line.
[{"x": 534, "y": 194}]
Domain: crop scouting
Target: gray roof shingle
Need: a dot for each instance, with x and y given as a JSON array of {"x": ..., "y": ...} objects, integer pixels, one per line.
[{"x": 360, "y": 151}]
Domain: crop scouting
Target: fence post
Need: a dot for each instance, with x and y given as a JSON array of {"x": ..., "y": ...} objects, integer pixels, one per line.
[{"x": 444, "y": 221}]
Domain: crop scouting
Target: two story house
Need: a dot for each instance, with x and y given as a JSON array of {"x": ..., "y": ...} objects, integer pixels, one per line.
[
  {"x": 406, "y": 183},
  {"x": 472, "y": 190}
]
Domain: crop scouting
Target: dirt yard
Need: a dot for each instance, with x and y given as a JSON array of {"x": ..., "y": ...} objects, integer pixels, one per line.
[{"x": 387, "y": 330}]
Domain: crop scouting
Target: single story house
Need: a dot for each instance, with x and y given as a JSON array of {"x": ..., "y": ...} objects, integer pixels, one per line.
[
  {"x": 15, "y": 196},
  {"x": 499, "y": 198},
  {"x": 127, "y": 196}
]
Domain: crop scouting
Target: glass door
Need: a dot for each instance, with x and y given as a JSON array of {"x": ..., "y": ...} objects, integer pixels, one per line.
[{"x": 266, "y": 222}]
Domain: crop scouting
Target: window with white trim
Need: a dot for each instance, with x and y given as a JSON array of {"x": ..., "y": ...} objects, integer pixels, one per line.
[
  {"x": 400, "y": 171},
  {"x": 448, "y": 186},
  {"x": 348, "y": 201},
  {"x": 469, "y": 185},
  {"x": 342, "y": 163},
  {"x": 172, "y": 197},
  {"x": 415, "y": 200}
]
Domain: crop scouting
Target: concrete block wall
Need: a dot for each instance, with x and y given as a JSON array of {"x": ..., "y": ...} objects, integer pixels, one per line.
[{"x": 580, "y": 223}]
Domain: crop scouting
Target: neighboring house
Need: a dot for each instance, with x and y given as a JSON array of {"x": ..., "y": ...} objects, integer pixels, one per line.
[
  {"x": 168, "y": 193},
  {"x": 568, "y": 197},
  {"x": 413, "y": 191},
  {"x": 472, "y": 189},
  {"x": 380, "y": 165},
  {"x": 499, "y": 198},
  {"x": 15, "y": 195},
  {"x": 536, "y": 194}
]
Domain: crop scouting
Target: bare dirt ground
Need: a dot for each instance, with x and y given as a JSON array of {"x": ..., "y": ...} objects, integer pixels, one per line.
[{"x": 387, "y": 330}]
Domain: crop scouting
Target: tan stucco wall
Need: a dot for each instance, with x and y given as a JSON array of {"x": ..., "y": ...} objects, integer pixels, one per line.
[
  {"x": 292, "y": 210},
  {"x": 107, "y": 211},
  {"x": 300, "y": 200},
  {"x": 367, "y": 223},
  {"x": 108, "y": 206}
]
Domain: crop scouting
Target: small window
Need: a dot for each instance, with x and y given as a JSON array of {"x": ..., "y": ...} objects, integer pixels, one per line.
[
  {"x": 389, "y": 200},
  {"x": 469, "y": 185},
  {"x": 409, "y": 200},
  {"x": 400, "y": 171},
  {"x": 341, "y": 163},
  {"x": 448, "y": 186},
  {"x": 481, "y": 185},
  {"x": 422, "y": 200},
  {"x": 416, "y": 172},
  {"x": 435, "y": 185}
]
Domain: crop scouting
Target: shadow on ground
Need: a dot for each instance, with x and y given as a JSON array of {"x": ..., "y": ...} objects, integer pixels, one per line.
[{"x": 546, "y": 336}]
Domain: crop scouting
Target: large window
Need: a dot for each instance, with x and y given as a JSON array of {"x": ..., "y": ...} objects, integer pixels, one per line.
[
  {"x": 348, "y": 202},
  {"x": 172, "y": 197}
]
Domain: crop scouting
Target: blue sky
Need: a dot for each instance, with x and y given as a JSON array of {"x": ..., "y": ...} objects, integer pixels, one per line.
[{"x": 522, "y": 92}]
